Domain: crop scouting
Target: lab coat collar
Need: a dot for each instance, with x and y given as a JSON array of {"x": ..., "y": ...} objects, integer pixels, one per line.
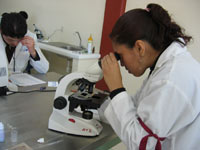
[
  {"x": 17, "y": 49},
  {"x": 2, "y": 41},
  {"x": 172, "y": 50}
]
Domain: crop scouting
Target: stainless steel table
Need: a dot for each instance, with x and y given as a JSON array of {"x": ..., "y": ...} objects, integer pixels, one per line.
[{"x": 29, "y": 113}]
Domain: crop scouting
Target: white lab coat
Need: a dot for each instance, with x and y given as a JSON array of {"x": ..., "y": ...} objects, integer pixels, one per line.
[
  {"x": 168, "y": 103},
  {"x": 22, "y": 56}
]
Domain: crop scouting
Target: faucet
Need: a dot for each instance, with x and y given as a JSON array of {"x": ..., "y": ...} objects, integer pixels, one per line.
[{"x": 80, "y": 40}]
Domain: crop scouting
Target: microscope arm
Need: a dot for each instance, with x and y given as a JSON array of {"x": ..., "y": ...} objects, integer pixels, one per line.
[
  {"x": 66, "y": 82},
  {"x": 92, "y": 75}
]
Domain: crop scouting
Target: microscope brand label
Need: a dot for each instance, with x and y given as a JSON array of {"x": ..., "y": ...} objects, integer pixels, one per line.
[
  {"x": 87, "y": 130},
  {"x": 3, "y": 71}
]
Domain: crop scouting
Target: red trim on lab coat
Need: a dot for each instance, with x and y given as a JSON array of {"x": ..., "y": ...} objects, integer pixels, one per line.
[{"x": 143, "y": 142}]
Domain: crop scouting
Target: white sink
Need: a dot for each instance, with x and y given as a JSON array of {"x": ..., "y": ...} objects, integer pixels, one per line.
[
  {"x": 81, "y": 60},
  {"x": 65, "y": 46}
]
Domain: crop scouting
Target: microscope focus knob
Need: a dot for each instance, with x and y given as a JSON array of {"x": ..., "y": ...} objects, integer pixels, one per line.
[
  {"x": 60, "y": 103},
  {"x": 87, "y": 115}
]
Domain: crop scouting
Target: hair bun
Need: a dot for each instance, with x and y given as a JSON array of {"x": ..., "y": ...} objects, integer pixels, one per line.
[
  {"x": 4, "y": 14},
  {"x": 24, "y": 14}
]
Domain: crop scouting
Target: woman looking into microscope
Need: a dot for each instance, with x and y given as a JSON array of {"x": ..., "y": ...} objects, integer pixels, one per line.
[{"x": 165, "y": 112}]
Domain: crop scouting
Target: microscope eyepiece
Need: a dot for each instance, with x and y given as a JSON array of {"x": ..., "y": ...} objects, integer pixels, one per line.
[{"x": 116, "y": 56}]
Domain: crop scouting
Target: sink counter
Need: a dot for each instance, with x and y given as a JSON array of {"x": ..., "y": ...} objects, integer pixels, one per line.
[
  {"x": 67, "y": 53},
  {"x": 80, "y": 60}
]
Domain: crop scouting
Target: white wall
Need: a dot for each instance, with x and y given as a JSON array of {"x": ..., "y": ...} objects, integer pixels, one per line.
[{"x": 86, "y": 16}]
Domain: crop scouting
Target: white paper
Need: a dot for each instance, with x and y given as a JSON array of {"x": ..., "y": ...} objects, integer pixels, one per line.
[
  {"x": 40, "y": 140},
  {"x": 52, "y": 84},
  {"x": 24, "y": 79}
]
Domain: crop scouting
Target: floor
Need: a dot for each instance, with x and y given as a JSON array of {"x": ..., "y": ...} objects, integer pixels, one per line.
[
  {"x": 114, "y": 144},
  {"x": 119, "y": 146}
]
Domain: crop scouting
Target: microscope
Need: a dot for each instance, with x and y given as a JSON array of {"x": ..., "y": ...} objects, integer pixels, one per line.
[{"x": 77, "y": 90}]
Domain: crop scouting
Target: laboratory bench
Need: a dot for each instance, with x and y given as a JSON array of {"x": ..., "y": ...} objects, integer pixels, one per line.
[{"x": 29, "y": 114}]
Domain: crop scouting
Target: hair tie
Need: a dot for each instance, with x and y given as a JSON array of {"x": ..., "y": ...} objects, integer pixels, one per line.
[{"x": 147, "y": 9}]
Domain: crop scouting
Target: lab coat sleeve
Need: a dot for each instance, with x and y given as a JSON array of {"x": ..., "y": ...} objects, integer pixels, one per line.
[
  {"x": 103, "y": 107},
  {"x": 42, "y": 65},
  {"x": 162, "y": 112},
  {"x": 122, "y": 116},
  {"x": 135, "y": 97}
]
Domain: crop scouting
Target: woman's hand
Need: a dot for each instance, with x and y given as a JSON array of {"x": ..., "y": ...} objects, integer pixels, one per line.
[
  {"x": 111, "y": 72},
  {"x": 30, "y": 44}
]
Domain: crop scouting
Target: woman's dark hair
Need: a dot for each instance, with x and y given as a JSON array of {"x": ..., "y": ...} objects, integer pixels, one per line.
[
  {"x": 152, "y": 24},
  {"x": 13, "y": 25},
  {"x": 24, "y": 14}
]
